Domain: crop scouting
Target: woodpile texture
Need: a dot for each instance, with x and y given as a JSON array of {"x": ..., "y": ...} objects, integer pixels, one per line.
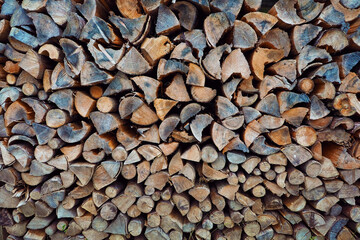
[{"x": 170, "y": 120}]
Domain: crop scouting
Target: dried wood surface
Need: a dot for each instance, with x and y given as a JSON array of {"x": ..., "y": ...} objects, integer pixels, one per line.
[{"x": 159, "y": 119}]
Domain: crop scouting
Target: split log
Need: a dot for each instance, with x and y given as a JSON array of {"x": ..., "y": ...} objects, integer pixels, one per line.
[{"x": 173, "y": 120}]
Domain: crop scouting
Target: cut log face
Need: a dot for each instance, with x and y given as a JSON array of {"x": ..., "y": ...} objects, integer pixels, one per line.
[{"x": 196, "y": 119}]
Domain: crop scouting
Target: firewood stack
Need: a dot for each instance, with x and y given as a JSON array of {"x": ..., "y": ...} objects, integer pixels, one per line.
[{"x": 178, "y": 120}]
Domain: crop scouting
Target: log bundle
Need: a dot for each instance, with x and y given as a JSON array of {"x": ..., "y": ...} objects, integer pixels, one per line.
[{"x": 159, "y": 119}]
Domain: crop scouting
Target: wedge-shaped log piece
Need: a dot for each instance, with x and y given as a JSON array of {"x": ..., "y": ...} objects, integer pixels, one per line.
[
  {"x": 102, "y": 178},
  {"x": 212, "y": 173},
  {"x": 176, "y": 164},
  {"x": 34, "y": 64},
  {"x": 75, "y": 56},
  {"x": 284, "y": 68},
  {"x": 215, "y": 27},
  {"x": 12, "y": 93},
  {"x": 104, "y": 144},
  {"x": 168, "y": 126},
  {"x": 167, "y": 21},
  {"x": 105, "y": 122},
  {"x": 40, "y": 222},
  {"x": 127, "y": 136},
  {"x": 236, "y": 144},
  {"x": 244, "y": 36},
  {"x": 260, "y": 147},
  {"x": 189, "y": 111},
  {"x": 326, "y": 41},
  {"x": 43, "y": 133},
  {"x": 280, "y": 136},
  {"x": 74, "y": 132},
  {"x": 310, "y": 9},
  {"x": 130, "y": 29},
  {"x": 286, "y": 12},
  {"x": 128, "y": 105},
  {"x": 91, "y": 75},
  {"x": 18, "y": 111},
  {"x": 308, "y": 55},
  {"x": 119, "y": 225},
  {"x": 318, "y": 109},
  {"x": 133, "y": 63},
  {"x": 303, "y": 34},
  {"x": 97, "y": 29},
  {"x": 312, "y": 218},
  {"x": 59, "y": 11},
  {"x": 155, "y": 48},
  {"x": 225, "y": 108},
  {"x": 329, "y": 72},
  {"x": 261, "y": 22},
  {"x": 120, "y": 83},
  {"x": 269, "y": 105},
  {"x": 9, "y": 176},
  {"x": 75, "y": 25},
  {"x": 83, "y": 171},
  {"x": 157, "y": 180},
  {"x": 144, "y": 116},
  {"x": 263, "y": 56},
  {"x": 177, "y": 89},
  {"x": 221, "y": 135},
  {"x": 296, "y": 154},
  {"x": 277, "y": 39},
  {"x": 40, "y": 169},
  {"x": 148, "y": 151},
  {"x": 191, "y": 154},
  {"x": 46, "y": 28},
  {"x": 39, "y": 108},
  {"x": 226, "y": 190},
  {"x": 200, "y": 122},
  {"x": 106, "y": 58},
  {"x": 235, "y": 64},
  {"x": 22, "y": 40},
  {"x": 84, "y": 104},
  {"x": 200, "y": 192},
  {"x": 230, "y": 87},
  {"x": 22, "y": 151},
  {"x": 197, "y": 39},
  {"x": 195, "y": 76},
  {"x": 250, "y": 114},
  {"x": 60, "y": 79},
  {"x": 272, "y": 82},
  {"x": 181, "y": 183},
  {"x": 187, "y": 14},
  {"x": 18, "y": 18},
  {"x": 63, "y": 100},
  {"x": 150, "y": 87},
  {"x": 7, "y": 158},
  {"x": 288, "y": 100},
  {"x": 347, "y": 62},
  {"x": 167, "y": 67},
  {"x": 211, "y": 62},
  {"x": 52, "y": 192},
  {"x": 163, "y": 106}
]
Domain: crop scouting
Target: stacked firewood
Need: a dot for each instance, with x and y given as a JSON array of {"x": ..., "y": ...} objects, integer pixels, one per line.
[{"x": 159, "y": 119}]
